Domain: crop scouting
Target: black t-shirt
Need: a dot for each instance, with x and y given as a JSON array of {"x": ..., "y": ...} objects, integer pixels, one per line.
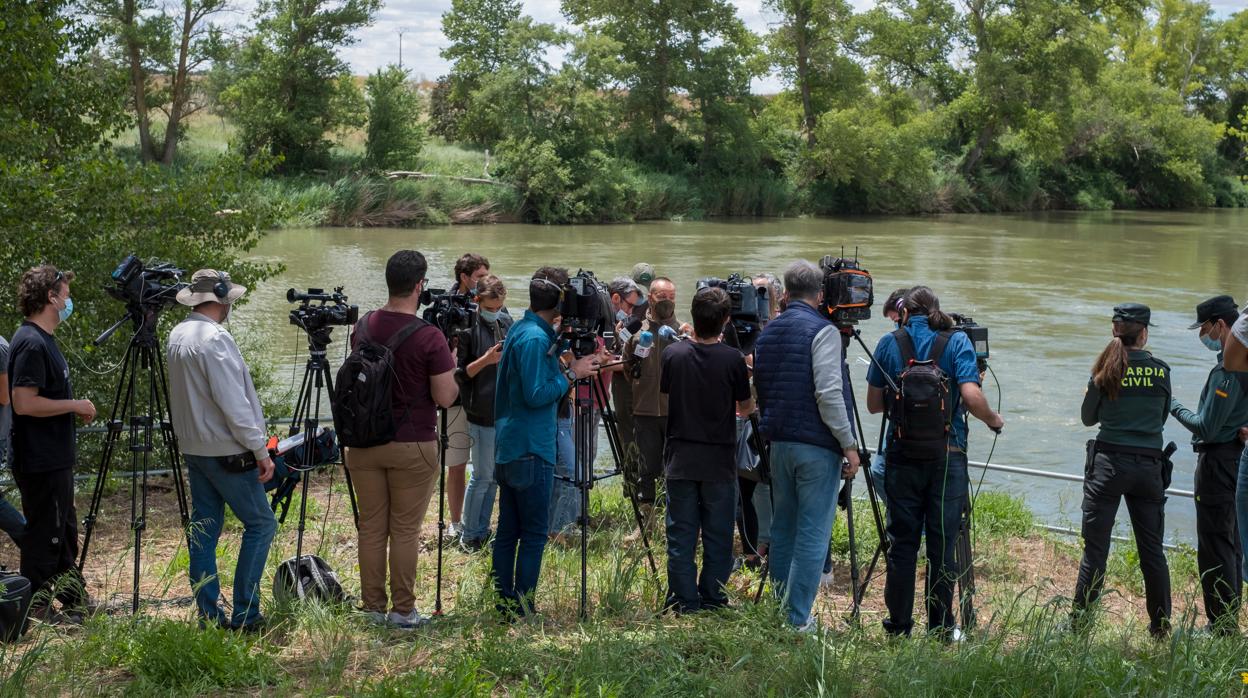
[
  {"x": 40, "y": 444},
  {"x": 704, "y": 383}
]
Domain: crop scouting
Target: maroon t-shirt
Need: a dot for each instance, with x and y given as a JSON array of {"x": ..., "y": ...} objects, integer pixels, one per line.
[{"x": 420, "y": 356}]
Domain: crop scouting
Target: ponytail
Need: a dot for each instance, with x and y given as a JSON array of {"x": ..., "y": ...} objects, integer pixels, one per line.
[
  {"x": 922, "y": 300},
  {"x": 1111, "y": 366}
]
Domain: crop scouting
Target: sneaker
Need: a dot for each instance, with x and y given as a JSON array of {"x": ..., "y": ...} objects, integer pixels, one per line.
[
  {"x": 957, "y": 636},
  {"x": 407, "y": 621},
  {"x": 810, "y": 627},
  {"x": 374, "y": 617},
  {"x": 48, "y": 615},
  {"x": 471, "y": 546},
  {"x": 826, "y": 580},
  {"x": 452, "y": 534}
]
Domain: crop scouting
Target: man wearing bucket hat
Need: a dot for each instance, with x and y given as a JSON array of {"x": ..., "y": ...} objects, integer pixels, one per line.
[
  {"x": 221, "y": 431},
  {"x": 1215, "y": 424}
]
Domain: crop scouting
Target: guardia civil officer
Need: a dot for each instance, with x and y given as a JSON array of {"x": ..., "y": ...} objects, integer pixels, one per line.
[
  {"x": 1129, "y": 396},
  {"x": 1215, "y": 425}
]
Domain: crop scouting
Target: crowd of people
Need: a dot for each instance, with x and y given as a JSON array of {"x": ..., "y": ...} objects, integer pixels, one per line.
[{"x": 683, "y": 400}]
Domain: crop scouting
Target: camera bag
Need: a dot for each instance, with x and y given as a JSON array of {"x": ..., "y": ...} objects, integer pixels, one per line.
[{"x": 15, "y": 597}]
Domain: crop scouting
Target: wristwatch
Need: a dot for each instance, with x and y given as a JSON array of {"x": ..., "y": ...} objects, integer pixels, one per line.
[{"x": 567, "y": 373}]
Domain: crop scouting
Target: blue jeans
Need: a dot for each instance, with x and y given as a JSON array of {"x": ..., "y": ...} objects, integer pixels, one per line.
[
  {"x": 877, "y": 477},
  {"x": 479, "y": 497},
  {"x": 924, "y": 496},
  {"x": 565, "y": 499},
  {"x": 523, "y": 515},
  {"x": 708, "y": 508},
  {"x": 211, "y": 489},
  {"x": 11, "y": 520},
  {"x": 1241, "y": 506},
  {"x": 804, "y": 484}
]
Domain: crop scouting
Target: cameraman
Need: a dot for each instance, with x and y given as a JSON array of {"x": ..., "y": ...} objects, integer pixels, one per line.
[
  {"x": 893, "y": 306},
  {"x": 626, "y": 303},
  {"x": 479, "y": 352},
  {"x": 926, "y": 491},
  {"x": 798, "y": 371},
  {"x": 530, "y": 383},
  {"x": 649, "y": 404},
  {"x": 707, "y": 384},
  {"x": 754, "y": 519},
  {"x": 44, "y": 445},
  {"x": 223, "y": 436},
  {"x": 469, "y": 269}
]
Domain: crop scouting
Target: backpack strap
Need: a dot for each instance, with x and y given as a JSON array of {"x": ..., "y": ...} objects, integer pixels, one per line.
[
  {"x": 905, "y": 345},
  {"x": 360, "y": 331},
  {"x": 396, "y": 340},
  {"x": 938, "y": 346}
]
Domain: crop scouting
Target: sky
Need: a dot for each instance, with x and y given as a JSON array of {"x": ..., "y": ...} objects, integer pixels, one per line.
[{"x": 420, "y": 22}]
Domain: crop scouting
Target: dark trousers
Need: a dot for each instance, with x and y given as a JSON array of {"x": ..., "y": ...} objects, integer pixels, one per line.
[
  {"x": 1140, "y": 479},
  {"x": 1217, "y": 537},
  {"x": 747, "y": 516},
  {"x": 693, "y": 507},
  {"x": 622, "y": 398},
  {"x": 524, "y": 488},
  {"x": 651, "y": 434},
  {"x": 50, "y": 543},
  {"x": 923, "y": 496}
]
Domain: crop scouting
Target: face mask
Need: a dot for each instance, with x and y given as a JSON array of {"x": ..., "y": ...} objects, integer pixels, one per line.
[
  {"x": 490, "y": 315},
  {"x": 664, "y": 309},
  {"x": 64, "y": 313},
  {"x": 621, "y": 315},
  {"x": 1210, "y": 343}
]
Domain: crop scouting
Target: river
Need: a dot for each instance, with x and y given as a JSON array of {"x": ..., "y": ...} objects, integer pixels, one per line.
[{"x": 1044, "y": 285}]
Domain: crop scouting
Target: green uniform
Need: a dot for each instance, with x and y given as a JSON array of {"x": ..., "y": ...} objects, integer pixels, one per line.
[
  {"x": 1222, "y": 411},
  {"x": 1136, "y": 417}
]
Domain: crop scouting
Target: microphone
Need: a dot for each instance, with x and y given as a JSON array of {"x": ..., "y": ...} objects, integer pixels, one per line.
[
  {"x": 645, "y": 342},
  {"x": 667, "y": 333},
  {"x": 627, "y": 331}
]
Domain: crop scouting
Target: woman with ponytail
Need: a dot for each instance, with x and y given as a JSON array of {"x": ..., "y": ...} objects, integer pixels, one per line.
[{"x": 1129, "y": 397}]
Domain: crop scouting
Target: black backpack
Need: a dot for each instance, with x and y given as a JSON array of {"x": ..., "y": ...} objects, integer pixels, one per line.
[
  {"x": 363, "y": 416},
  {"x": 922, "y": 409},
  {"x": 308, "y": 579}
]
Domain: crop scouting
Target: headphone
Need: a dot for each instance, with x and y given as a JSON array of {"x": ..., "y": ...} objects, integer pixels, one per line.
[
  {"x": 548, "y": 282},
  {"x": 220, "y": 287}
]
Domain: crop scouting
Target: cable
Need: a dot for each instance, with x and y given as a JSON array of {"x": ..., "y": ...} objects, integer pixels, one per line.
[{"x": 980, "y": 485}]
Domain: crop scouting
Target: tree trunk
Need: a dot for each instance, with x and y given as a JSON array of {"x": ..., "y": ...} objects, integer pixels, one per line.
[
  {"x": 801, "y": 35},
  {"x": 986, "y": 134},
  {"x": 179, "y": 87},
  {"x": 138, "y": 81}
]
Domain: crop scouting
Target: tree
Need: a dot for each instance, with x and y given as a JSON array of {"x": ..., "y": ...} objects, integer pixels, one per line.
[
  {"x": 910, "y": 43},
  {"x": 159, "y": 52},
  {"x": 394, "y": 132},
  {"x": 477, "y": 31},
  {"x": 291, "y": 87}
]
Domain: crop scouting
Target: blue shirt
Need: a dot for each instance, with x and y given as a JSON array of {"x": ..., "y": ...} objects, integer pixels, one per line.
[
  {"x": 530, "y": 384},
  {"x": 957, "y": 361}
]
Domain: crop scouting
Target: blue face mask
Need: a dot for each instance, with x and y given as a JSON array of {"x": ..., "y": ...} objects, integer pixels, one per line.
[
  {"x": 64, "y": 313},
  {"x": 490, "y": 315},
  {"x": 1210, "y": 343},
  {"x": 622, "y": 315}
]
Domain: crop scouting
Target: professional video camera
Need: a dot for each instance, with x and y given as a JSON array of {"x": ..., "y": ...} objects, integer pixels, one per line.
[
  {"x": 450, "y": 312},
  {"x": 330, "y": 309},
  {"x": 978, "y": 334},
  {"x": 146, "y": 291},
  {"x": 584, "y": 309},
  {"x": 848, "y": 291},
  {"x": 751, "y": 308}
]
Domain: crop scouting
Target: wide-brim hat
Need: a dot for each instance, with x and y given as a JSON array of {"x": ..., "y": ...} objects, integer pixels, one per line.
[
  {"x": 210, "y": 286},
  {"x": 1217, "y": 306}
]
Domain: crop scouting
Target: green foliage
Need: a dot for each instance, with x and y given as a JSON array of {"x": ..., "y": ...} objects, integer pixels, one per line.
[
  {"x": 395, "y": 135},
  {"x": 287, "y": 86},
  {"x": 999, "y": 515}
]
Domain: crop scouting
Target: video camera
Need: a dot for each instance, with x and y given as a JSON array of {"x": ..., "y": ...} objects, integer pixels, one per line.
[
  {"x": 978, "y": 334},
  {"x": 154, "y": 287},
  {"x": 751, "y": 308},
  {"x": 331, "y": 309},
  {"x": 848, "y": 291},
  {"x": 450, "y": 312},
  {"x": 585, "y": 309}
]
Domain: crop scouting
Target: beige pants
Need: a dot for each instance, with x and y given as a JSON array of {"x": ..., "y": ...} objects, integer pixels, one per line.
[{"x": 393, "y": 483}]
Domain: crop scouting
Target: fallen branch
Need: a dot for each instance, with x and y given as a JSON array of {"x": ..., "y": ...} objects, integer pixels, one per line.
[{"x": 402, "y": 174}]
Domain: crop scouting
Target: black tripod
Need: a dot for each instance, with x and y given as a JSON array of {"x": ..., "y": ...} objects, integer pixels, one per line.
[
  {"x": 142, "y": 355},
  {"x": 444, "y": 443},
  {"x": 584, "y": 423},
  {"x": 306, "y": 419}
]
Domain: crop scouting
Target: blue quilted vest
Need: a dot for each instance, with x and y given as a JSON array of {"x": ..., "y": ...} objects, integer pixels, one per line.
[{"x": 785, "y": 380}]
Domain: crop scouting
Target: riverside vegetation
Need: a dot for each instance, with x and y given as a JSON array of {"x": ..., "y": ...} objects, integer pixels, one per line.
[{"x": 626, "y": 648}]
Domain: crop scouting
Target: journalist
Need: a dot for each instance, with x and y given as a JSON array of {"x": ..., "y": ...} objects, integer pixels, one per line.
[
  {"x": 479, "y": 352},
  {"x": 1222, "y": 410},
  {"x": 926, "y": 467},
  {"x": 627, "y": 304},
  {"x": 754, "y": 517},
  {"x": 798, "y": 371},
  {"x": 893, "y": 306},
  {"x": 469, "y": 269},
  {"x": 1129, "y": 396},
  {"x": 44, "y": 445},
  {"x": 221, "y": 430},
  {"x": 394, "y": 481},
  {"x": 531, "y": 381},
  {"x": 708, "y": 385},
  {"x": 661, "y": 329}
]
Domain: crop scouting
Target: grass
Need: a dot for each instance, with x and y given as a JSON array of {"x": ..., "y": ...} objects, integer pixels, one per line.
[{"x": 626, "y": 648}]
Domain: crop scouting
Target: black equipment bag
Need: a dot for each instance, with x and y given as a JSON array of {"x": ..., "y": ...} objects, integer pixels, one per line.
[
  {"x": 363, "y": 416},
  {"x": 15, "y": 596},
  {"x": 922, "y": 409},
  {"x": 310, "y": 578}
]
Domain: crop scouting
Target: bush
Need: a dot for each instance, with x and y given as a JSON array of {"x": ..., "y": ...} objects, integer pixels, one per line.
[{"x": 395, "y": 135}]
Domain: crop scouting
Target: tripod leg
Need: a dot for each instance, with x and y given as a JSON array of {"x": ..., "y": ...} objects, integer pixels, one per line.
[
  {"x": 848, "y": 493},
  {"x": 116, "y": 423},
  {"x": 966, "y": 570},
  {"x": 444, "y": 442},
  {"x": 355, "y": 508},
  {"x": 172, "y": 452},
  {"x": 617, "y": 452}
]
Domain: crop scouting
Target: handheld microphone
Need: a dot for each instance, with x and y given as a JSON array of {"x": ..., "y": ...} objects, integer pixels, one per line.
[{"x": 645, "y": 342}]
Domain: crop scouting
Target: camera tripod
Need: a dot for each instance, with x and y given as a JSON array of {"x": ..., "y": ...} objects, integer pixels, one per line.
[
  {"x": 306, "y": 419},
  {"x": 142, "y": 355}
]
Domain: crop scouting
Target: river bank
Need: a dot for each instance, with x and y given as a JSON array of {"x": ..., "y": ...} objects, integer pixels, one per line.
[{"x": 627, "y": 648}]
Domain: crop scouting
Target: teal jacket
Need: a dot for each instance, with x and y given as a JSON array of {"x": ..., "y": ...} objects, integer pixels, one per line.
[
  {"x": 1223, "y": 407},
  {"x": 530, "y": 384}
]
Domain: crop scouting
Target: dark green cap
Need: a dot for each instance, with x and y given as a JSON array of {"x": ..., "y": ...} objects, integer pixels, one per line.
[
  {"x": 1214, "y": 307},
  {"x": 1133, "y": 312},
  {"x": 643, "y": 274}
]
